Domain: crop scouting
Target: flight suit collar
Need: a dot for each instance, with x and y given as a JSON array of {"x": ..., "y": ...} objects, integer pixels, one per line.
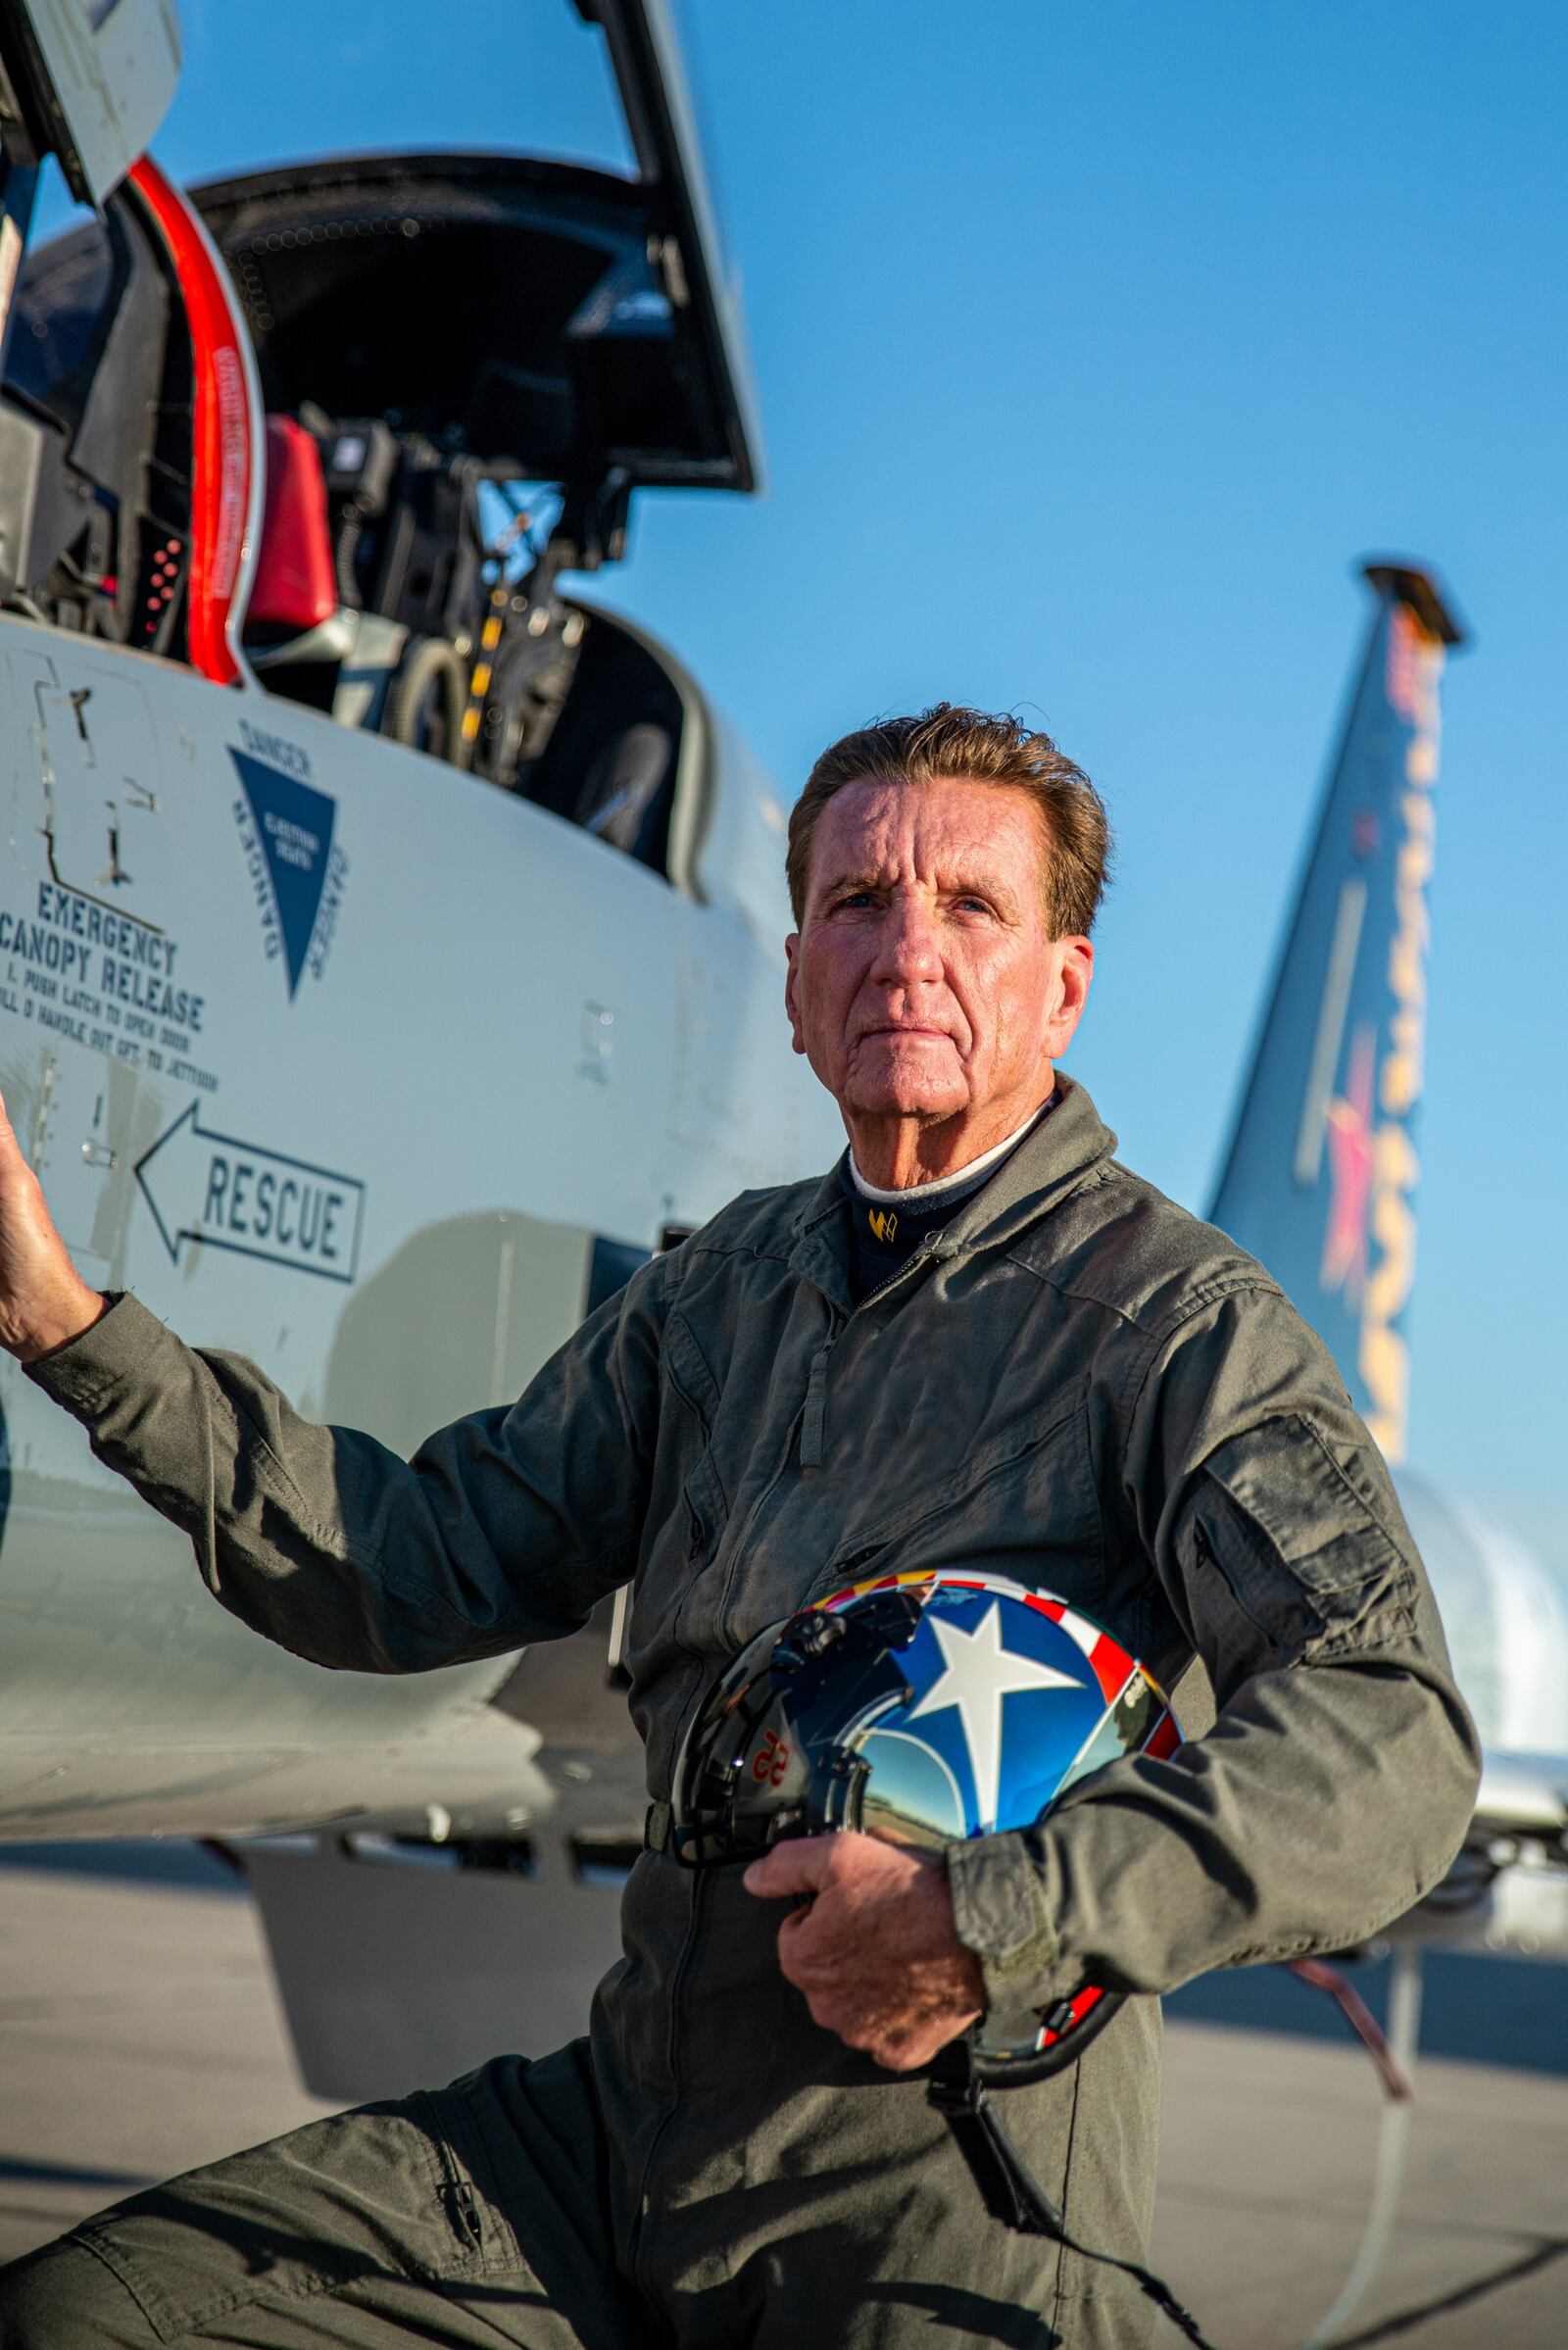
[{"x": 1047, "y": 1164}]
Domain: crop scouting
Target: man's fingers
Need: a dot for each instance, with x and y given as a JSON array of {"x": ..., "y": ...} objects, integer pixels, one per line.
[
  {"x": 801, "y": 1955},
  {"x": 16, "y": 1168},
  {"x": 10, "y": 1148},
  {"x": 800, "y": 1865},
  {"x": 44, "y": 1303}
]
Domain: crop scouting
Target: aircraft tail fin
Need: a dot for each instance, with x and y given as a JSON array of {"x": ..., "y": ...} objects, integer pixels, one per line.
[{"x": 1319, "y": 1181}]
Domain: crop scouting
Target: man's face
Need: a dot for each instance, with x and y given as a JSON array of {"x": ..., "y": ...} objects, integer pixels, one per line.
[{"x": 924, "y": 987}]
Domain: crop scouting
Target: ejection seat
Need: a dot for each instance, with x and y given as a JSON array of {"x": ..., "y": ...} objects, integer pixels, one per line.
[
  {"x": 307, "y": 643},
  {"x": 295, "y": 627}
]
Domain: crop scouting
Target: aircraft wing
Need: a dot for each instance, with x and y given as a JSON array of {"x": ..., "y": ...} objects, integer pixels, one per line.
[
  {"x": 1509, "y": 1888},
  {"x": 1523, "y": 1794}
]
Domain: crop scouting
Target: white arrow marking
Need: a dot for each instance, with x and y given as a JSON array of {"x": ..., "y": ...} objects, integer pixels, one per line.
[{"x": 254, "y": 1201}]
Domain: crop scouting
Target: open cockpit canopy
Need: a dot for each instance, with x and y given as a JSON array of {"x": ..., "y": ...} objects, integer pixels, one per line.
[
  {"x": 555, "y": 320},
  {"x": 550, "y": 321},
  {"x": 261, "y": 429},
  {"x": 542, "y": 316}
]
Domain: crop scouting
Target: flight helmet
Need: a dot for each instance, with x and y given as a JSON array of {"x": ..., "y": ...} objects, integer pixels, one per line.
[{"x": 925, "y": 1708}]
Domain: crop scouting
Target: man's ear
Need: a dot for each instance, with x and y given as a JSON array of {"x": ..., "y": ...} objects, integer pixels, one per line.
[
  {"x": 792, "y": 948},
  {"x": 1075, "y": 970}
]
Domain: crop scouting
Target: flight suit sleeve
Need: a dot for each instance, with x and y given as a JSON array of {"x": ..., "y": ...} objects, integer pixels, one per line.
[
  {"x": 504, "y": 1528},
  {"x": 1339, "y": 1778}
]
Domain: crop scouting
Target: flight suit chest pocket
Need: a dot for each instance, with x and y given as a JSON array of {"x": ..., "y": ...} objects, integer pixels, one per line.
[
  {"x": 669, "y": 1597},
  {"x": 1023, "y": 1504},
  {"x": 689, "y": 1505},
  {"x": 702, "y": 1514}
]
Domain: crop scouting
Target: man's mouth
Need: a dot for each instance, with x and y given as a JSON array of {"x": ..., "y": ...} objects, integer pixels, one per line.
[{"x": 903, "y": 1028}]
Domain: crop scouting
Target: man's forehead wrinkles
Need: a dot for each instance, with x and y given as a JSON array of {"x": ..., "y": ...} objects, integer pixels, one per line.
[
  {"x": 940, "y": 839},
  {"x": 942, "y": 868},
  {"x": 875, "y": 816},
  {"x": 941, "y": 880}
]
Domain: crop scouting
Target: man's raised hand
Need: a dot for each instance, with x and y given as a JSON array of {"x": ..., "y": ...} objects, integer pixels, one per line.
[
  {"x": 44, "y": 1298},
  {"x": 876, "y": 1953}
]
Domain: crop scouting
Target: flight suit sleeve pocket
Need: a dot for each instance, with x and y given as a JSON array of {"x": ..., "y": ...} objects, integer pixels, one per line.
[{"x": 1289, "y": 1554}]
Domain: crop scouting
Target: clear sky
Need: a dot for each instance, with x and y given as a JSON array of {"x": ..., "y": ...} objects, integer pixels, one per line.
[{"x": 1095, "y": 346}]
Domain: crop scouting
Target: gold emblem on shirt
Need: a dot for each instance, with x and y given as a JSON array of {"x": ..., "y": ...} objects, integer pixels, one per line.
[{"x": 884, "y": 1222}]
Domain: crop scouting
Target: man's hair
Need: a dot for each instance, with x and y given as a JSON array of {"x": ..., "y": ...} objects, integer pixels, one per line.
[{"x": 974, "y": 746}]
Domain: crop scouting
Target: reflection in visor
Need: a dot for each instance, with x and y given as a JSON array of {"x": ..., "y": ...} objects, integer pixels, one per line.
[{"x": 911, "y": 1796}]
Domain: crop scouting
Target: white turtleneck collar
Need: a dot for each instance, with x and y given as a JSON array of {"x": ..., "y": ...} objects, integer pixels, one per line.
[{"x": 966, "y": 1179}]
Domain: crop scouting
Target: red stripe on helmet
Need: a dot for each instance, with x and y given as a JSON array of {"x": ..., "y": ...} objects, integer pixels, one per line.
[
  {"x": 1164, "y": 1739},
  {"x": 1114, "y": 1667},
  {"x": 1090, "y": 1996}
]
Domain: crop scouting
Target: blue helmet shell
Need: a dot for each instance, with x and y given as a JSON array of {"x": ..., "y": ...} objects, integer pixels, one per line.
[{"x": 925, "y": 1708}]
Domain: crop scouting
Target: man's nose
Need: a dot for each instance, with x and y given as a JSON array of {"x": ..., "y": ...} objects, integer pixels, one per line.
[{"x": 907, "y": 949}]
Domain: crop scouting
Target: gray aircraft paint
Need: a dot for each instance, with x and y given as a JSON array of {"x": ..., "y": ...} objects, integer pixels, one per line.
[{"x": 513, "y": 1039}]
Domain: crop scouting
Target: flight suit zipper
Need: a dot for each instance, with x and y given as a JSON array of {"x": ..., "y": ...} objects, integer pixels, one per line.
[
  {"x": 807, "y": 1430},
  {"x": 813, "y": 1420},
  {"x": 814, "y": 1412},
  {"x": 463, "y": 2212},
  {"x": 1206, "y": 1555}
]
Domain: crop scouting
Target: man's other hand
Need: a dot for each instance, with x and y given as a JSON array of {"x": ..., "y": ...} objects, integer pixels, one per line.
[
  {"x": 44, "y": 1298},
  {"x": 876, "y": 1953}
]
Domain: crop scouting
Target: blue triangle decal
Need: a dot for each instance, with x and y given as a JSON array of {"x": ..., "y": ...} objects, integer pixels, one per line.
[{"x": 295, "y": 825}]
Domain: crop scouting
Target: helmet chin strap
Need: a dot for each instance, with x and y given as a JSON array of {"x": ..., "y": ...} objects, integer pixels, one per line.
[{"x": 1011, "y": 2191}]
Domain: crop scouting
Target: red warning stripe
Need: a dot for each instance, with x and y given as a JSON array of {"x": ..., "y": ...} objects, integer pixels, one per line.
[{"x": 223, "y": 425}]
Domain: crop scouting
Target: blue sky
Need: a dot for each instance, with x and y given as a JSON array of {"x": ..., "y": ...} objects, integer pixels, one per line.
[{"x": 1094, "y": 349}]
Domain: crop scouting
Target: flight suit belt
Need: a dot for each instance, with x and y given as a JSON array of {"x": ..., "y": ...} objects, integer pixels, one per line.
[{"x": 657, "y": 1828}]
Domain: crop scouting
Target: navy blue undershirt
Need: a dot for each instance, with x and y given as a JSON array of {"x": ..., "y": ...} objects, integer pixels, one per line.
[{"x": 883, "y": 1236}]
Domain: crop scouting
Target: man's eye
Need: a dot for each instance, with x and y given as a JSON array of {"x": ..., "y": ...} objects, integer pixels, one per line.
[
  {"x": 852, "y": 898},
  {"x": 974, "y": 903}
]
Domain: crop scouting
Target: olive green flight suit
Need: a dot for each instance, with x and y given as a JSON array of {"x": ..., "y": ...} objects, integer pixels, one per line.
[{"x": 1077, "y": 1383}]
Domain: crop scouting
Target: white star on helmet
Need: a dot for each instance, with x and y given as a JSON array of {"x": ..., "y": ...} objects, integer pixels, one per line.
[{"x": 978, "y": 1672}]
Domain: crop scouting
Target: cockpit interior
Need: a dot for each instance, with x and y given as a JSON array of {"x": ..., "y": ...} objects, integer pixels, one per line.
[{"x": 453, "y": 372}]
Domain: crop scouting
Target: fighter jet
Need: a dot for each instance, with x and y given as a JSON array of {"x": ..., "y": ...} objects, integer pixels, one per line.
[{"x": 320, "y": 789}]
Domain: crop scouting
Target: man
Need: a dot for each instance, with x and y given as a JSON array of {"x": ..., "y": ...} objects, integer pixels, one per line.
[{"x": 980, "y": 1340}]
